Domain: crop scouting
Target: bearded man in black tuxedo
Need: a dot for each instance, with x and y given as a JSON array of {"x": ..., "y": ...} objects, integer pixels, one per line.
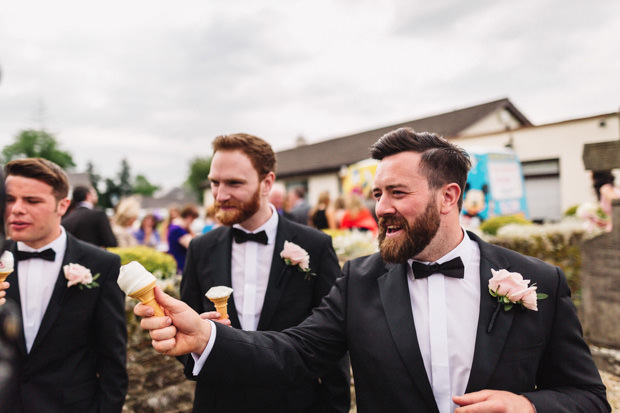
[
  {"x": 268, "y": 294},
  {"x": 422, "y": 328}
]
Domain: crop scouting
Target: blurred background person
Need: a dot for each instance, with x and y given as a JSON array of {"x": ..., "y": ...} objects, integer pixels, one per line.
[
  {"x": 211, "y": 221},
  {"x": 339, "y": 210},
  {"x": 180, "y": 233},
  {"x": 86, "y": 222},
  {"x": 606, "y": 191},
  {"x": 299, "y": 207},
  {"x": 173, "y": 212},
  {"x": 147, "y": 233},
  {"x": 127, "y": 212},
  {"x": 277, "y": 197},
  {"x": 357, "y": 216},
  {"x": 322, "y": 215}
]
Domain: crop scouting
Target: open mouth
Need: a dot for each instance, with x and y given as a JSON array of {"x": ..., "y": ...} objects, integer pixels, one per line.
[{"x": 393, "y": 230}]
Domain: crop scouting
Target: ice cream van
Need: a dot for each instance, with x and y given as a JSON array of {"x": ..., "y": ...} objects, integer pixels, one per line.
[{"x": 495, "y": 186}]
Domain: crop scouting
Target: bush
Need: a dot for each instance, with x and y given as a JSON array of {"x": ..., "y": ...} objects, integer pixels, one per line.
[
  {"x": 571, "y": 211},
  {"x": 162, "y": 265},
  {"x": 492, "y": 225},
  {"x": 558, "y": 244}
]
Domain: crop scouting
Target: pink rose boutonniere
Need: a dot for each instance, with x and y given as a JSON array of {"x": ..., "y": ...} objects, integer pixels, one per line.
[
  {"x": 79, "y": 275},
  {"x": 510, "y": 288},
  {"x": 294, "y": 255}
]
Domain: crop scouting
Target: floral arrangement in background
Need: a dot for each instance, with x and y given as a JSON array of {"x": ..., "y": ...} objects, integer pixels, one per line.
[
  {"x": 350, "y": 244},
  {"x": 593, "y": 216}
]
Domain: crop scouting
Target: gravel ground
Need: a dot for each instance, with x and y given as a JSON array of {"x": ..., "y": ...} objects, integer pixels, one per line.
[{"x": 612, "y": 382}]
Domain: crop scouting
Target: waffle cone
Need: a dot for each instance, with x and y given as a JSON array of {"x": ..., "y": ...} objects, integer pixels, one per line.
[
  {"x": 221, "y": 306},
  {"x": 3, "y": 275},
  {"x": 146, "y": 295}
]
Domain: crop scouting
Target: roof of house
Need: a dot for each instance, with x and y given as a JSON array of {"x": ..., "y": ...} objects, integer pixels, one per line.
[{"x": 331, "y": 155}]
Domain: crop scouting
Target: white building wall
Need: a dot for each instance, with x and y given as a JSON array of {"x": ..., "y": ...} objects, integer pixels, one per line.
[
  {"x": 497, "y": 121},
  {"x": 324, "y": 182},
  {"x": 563, "y": 141}
]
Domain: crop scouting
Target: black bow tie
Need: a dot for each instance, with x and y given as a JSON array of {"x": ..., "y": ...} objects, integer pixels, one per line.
[
  {"x": 47, "y": 254},
  {"x": 453, "y": 268},
  {"x": 242, "y": 236}
]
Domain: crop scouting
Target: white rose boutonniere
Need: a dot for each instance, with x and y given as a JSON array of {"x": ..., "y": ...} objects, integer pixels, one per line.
[
  {"x": 510, "y": 288},
  {"x": 79, "y": 275},
  {"x": 294, "y": 255}
]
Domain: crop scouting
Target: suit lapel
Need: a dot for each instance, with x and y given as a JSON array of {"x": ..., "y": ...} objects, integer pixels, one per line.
[
  {"x": 277, "y": 279},
  {"x": 489, "y": 345},
  {"x": 394, "y": 293},
  {"x": 220, "y": 272},
  {"x": 14, "y": 295},
  {"x": 73, "y": 253}
]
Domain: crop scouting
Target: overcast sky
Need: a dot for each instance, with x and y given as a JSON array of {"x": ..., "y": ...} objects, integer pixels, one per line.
[{"x": 154, "y": 82}]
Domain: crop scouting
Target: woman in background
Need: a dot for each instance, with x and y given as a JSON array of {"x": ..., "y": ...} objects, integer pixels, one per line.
[
  {"x": 126, "y": 214},
  {"x": 180, "y": 234},
  {"x": 147, "y": 233}
]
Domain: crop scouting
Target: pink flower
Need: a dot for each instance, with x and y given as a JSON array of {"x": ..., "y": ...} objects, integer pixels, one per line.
[
  {"x": 505, "y": 282},
  {"x": 510, "y": 288},
  {"x": 293, "y": 254},
  {"x": 530, "y": 299},
  {"x": 77, "y": 274}
]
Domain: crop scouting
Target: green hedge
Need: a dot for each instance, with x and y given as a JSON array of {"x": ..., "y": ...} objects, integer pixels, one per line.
[
  {"x": 557, "y": 244},
  {"x": 159, "y": 263}
]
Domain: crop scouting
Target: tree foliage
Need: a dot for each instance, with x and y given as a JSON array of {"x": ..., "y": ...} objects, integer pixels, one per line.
[
  {"x": 143, "y": 187},
  {"x": 198, "y": 172},
  {"x": 32, "y": 143}
]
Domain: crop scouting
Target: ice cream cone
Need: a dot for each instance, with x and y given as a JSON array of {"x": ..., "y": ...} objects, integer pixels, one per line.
[
  {"x": 146, "y": 295},
  {"x": 3, "y": 275},
  {"x": 221, "y": 306}
]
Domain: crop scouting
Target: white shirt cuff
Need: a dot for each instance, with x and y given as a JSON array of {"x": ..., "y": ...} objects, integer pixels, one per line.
[{"x": 200, "y": 359}]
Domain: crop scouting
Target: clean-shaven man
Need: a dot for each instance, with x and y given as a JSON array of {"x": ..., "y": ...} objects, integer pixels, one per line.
[
  {"x": 72, "y": 349},
  {"x": 423, "y": 330}
]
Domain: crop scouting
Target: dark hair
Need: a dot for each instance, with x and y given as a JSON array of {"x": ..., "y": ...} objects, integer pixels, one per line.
[
  {"x": 441, "y": 163},
  {"x": 41, "y": 170},
  {"x": 189, "y": 211},
  {"x": 600, "y": 178},
  {"x": 79, "y": 195},
  {"x": 260, "y": 152}
]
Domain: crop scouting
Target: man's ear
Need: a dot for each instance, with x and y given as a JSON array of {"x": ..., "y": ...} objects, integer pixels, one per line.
[
  {"x": 450, "y": 195},
  {"x": 63, "y": 205},
  {"x": 267, "y": 183}
]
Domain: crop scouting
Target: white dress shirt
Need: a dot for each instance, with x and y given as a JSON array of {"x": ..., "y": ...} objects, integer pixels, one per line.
[
  {"x": 249, "y": 270},
  {"x": 37, "y": 278},
  {"x": 445, "y": 313}
]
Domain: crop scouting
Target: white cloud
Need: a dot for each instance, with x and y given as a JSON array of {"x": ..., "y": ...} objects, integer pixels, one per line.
[{"x": 155, "y": 82}]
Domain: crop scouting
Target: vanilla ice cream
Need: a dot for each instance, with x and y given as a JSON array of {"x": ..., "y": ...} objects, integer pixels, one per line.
[
  {"x": 134, "y": 276},
  {"x": 221, "y": 291},
  {"x": 7, "y": 262}
]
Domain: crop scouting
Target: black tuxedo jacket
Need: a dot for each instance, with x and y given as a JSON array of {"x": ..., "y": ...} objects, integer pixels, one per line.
[
  {"x": 540, "y": 354},
  {"x": 90, "y": 225},
  {"x": 289, "y": 299},
  {"x": 77, "y": 360}
]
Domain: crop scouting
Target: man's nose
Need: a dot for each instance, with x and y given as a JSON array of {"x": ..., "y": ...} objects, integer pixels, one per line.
[{"x": 383, "y": 206}]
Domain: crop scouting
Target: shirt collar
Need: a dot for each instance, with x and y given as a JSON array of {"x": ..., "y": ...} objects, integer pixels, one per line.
[
  {"x": 462, "y": 250},
  {"x": 270, "y": 227}
]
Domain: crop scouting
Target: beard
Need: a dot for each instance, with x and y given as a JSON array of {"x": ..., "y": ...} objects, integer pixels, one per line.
[
  {"x": 241, "y": 212},
  {"x": 414, "y": 238}
]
